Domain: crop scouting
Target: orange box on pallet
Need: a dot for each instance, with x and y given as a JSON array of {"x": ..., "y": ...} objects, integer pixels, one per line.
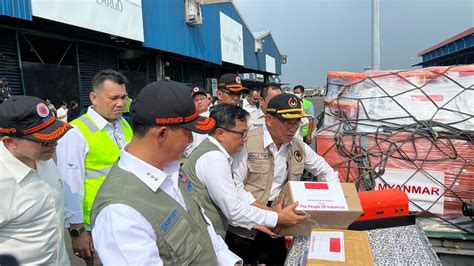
[{"x": 383, "y": 204}]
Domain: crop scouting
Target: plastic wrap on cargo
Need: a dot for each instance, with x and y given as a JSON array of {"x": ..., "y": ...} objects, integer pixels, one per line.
[{"x": 412, "y": 130}]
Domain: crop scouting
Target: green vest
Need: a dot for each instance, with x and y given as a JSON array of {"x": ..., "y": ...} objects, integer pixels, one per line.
[
  {"x": 103, "y": 153},
  {"x": 306, "y": 105},
  {"x": 128, "y": 104},
  {"x": 200, "y": 192},
  {"x": 181, "y": 236}
]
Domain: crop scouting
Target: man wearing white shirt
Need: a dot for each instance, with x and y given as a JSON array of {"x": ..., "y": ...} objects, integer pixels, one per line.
[
  {"x": 144, "y": 213},
  {"x": 257, "y": 118},
  {"x": 86, "y": 154},
  {"x": 273, "y": 155},
  {"x": 62, "y": 112},
  {"x": 214, "y": 186},
  {"x": 31, "y": 188},
  {"x": 250, "y": 103}
]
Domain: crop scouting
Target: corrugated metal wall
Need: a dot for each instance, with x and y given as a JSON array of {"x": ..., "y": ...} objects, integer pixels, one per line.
[
  {"x": 16, "y": 8},
  {"x": 165, "y": 29}
]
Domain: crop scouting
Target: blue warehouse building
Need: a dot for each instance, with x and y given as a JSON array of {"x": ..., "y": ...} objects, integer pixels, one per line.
[
  {"x": 457, "y": 50},
  {"x": 52, "y": 50}
]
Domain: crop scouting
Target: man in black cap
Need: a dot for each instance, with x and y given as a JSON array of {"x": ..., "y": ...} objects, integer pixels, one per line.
[
  {"x": 5, "y": 91},
  {"x": 273, "y": 156},
  {"x": 229, "y": 89},
  {"x": 31, "y": 188},
  {"x": 144, "y": 212},
  {"x": 200, "y": 100}
]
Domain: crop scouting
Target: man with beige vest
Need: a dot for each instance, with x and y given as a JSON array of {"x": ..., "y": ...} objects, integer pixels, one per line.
[{"x": 271, "y": 157}]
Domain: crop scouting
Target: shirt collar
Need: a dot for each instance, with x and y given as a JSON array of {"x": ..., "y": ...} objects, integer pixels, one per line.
[
  {"x": 246, "y": 102},
  {"x": 17, "y": 168},
  {"x": 99, "y": 120},
  {"x": 147, "y": 173},
  {"x": 267, "y": 139},
  {"x": 219, "y": 146}
]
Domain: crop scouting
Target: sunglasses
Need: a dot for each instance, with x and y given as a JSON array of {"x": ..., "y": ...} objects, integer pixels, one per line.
[{"x": 242, "y": 134}]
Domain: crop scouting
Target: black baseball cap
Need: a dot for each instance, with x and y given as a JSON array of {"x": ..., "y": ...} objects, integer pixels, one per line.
[
  {"x": 28, "y": 117},
  {"x": 286, "y": 106},
  {"x": 231, "y": 82},
  {"x": 198, "y": 90},
  {"x": 168, "y": 102}
]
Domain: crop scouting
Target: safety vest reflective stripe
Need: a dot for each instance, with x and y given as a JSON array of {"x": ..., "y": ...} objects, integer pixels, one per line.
[
  {"x": 89, "y": 124},
  {"x": 97, "y": 173}
]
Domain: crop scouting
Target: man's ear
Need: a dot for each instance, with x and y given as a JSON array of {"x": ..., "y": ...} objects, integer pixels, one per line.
[
  {"x": 161, "y": 133},
  {"x": 9, "y": 142},
  {"x": 93, "y": 97},
  {"x": 219, "y": 94},
  {"x": 219, "y": 134}
]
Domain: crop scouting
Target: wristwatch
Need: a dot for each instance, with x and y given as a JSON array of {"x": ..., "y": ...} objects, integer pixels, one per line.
[{"x": 75, "y": 232}]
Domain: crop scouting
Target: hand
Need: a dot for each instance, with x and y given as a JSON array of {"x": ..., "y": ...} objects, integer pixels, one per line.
[
  {"x": 287, "y": 216},
  {"x": 309, "y": 140},
  {"x": 82, "y": 246},
  {"x": 266, "y": 230}
]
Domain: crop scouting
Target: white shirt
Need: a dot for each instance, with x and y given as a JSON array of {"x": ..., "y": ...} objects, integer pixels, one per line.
[
  {"x": 121, "y": 235},
  {"x": 71, "y": 154},
  {"x": 247, "y": 106},
  {"x": 256, "y": 119},
  {"x": 235, "y": 204},
  {"x": 60, "y": 112},
  {"x": 31, "y": 211},
  {"x": 313, "y": 163},
  {"x": 197, "y": 139}
]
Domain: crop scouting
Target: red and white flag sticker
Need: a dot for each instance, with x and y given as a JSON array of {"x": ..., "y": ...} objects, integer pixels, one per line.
[{"x": 327, "y": 246}]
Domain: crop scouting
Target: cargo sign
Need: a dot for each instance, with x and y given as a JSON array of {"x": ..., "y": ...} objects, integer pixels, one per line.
[
  {"x": 117, "y": 17},
  {"x": 423, "y": 188},
  {"x": 315, "y": 196},
  {"x": 232, "y": 40}
]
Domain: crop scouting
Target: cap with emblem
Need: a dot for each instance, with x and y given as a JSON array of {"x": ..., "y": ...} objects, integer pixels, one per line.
[
  {"x": 231, "y": 82},
  {"x": 286, "y": 106},
  {"x": 168, "y": 102},
  {"x": 29, "y": 118},
  {"x": 198, "y": 90}
]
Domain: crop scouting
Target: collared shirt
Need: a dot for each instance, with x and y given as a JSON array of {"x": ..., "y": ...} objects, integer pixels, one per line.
[
  {"x": 31, "y": 211},
  {"x": 256, "y": 119},
  {"x": 197, "y": 139},
  {"x": 62, "y": 111},
  {"x": 121, "y": 235},
  {"x": 234, "y": 203},
  {"x": 71, "y": 156},
  {"x": 247, "y": 106},
  {"x": 313, "y": 163}
]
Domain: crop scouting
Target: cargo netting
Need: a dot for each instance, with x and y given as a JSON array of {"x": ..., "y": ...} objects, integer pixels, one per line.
[{"x": 411, "y": 130}]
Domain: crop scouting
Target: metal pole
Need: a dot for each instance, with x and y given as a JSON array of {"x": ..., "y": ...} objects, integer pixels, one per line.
[{"x": 375, "y": 35}]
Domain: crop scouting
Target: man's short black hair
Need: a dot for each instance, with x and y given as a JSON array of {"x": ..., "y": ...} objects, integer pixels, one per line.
[
  {"x": 140, "y": 129},
  {"x": 268, "y": 86},
  {"x": 108, "y": 74},
  {"x": 226, "y": 115},
  {"x": 301, "y": 87}
]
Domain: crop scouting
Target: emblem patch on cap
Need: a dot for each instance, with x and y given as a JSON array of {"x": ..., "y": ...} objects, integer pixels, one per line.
[
  {"x": 237, "y": 79},
  {"x": 298, "y": 155},
  {"x": 196, "y": 89},
  {"x": 42, "y": 110},
  {"x": 292, "y": 102}
]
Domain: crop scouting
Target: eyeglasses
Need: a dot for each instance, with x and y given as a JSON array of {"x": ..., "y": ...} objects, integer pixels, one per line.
[
  {"x": 231, "y": 93},
  {"x": 290, "y": 123},
  {"x": 242, "y": 134}
]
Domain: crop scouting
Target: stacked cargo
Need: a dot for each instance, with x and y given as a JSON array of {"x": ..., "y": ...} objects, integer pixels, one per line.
[{"x": 412, "y": 130}]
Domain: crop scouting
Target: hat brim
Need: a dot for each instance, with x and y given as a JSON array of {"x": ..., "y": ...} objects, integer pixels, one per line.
[
  {"x": 51, "y": 133},
  {"x": 234, "y": 88},
  {"x": 291, "y": 115},
  {"x": 201, "y": 125},
  {"x": 199, "y": 92}
]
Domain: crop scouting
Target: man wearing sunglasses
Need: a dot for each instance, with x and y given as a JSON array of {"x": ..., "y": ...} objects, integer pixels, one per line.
[
  {"x": 229, "y": 89},
  {"x": 270, "y": 158},
  {"x": 31, "y": 188},
  {"x": 214, "y": 187}
]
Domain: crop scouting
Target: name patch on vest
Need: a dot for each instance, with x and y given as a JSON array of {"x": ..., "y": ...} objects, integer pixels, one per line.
[
  {"x": 169, "y": 221},
  {"x": 258, "y": 156}
]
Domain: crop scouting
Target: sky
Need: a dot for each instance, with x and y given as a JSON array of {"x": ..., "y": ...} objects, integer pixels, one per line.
[{"x": 335, "y": 35}]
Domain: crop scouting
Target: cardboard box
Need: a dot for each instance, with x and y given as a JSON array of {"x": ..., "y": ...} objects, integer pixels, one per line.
[
  {"x": 354, "y": 248},
  {"x": 331, "y": 205}
]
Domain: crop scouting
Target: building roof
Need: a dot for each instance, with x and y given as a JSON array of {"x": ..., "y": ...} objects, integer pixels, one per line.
[{"x": 450, "y": 40}]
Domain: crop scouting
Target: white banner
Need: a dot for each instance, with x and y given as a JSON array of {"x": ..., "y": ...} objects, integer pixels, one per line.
[
  {"x": 232, "y": 40},
  {"x": 118, "y": 17},
  {"x": 270, "y": 64},
  {"x": 423, "y": 188}
]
